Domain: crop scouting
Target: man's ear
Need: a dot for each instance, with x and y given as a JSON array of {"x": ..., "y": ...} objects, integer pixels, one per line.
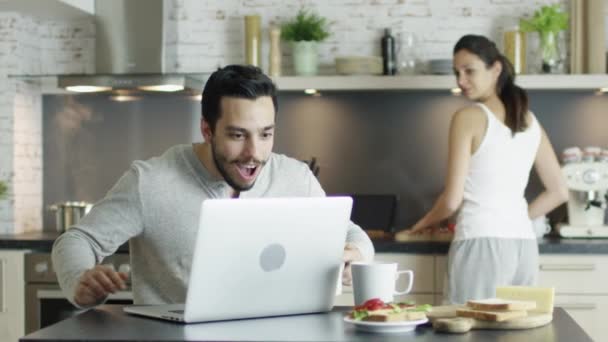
[{"x": 206, "y": 130}]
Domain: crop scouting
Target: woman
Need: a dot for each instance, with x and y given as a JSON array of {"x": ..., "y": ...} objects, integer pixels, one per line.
[{"x": 492, "y": 147}]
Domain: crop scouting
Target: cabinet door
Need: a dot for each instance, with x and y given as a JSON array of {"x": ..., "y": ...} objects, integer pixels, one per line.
[
  {"x": 589, "y": 312},
  {"x": 12, "y": 300},
  {"x": 441, "y": 265},
  {"x": 574, "y": 274},
  {"x": 422, "y": 265}
]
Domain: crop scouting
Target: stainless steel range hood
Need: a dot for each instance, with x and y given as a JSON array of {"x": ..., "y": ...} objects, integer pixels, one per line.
[{"x": 130, "y": 51}]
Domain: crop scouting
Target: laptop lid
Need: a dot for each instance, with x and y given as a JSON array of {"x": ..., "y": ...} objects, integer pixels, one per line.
[{"x": 266, "y": 257}]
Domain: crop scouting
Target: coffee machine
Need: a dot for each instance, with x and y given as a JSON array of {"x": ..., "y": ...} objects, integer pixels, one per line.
[{"x": 587, "y": 200}]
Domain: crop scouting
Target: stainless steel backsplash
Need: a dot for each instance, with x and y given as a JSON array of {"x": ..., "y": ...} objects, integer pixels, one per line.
[{"x": 366, "y": 142}]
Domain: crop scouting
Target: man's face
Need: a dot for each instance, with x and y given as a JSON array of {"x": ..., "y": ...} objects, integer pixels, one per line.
[{"x": 242, "y": 141}]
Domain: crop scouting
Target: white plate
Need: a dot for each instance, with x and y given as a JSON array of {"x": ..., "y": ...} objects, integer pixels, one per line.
[{"x": 385, "y": 327}]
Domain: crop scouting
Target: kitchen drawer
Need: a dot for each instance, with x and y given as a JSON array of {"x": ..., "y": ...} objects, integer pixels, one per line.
[
  {"x": 588, "y": 311},
  {"x": 439, "y": 300},
  {"x": 422, "y": 265},
  {"x": 346, "y": 298},
  {"x": 441, "y": 265},
  {"x": 574, "y": 274}
]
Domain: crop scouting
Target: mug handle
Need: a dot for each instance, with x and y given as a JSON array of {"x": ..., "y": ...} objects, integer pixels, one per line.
[{"x": 411, "y": 282}]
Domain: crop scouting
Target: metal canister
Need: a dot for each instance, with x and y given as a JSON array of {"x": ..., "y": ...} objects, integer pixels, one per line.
[{"x": 68, "y": 214}]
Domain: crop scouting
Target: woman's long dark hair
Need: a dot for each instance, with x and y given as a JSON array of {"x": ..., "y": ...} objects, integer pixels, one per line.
[{"x": 513, "y": 97}]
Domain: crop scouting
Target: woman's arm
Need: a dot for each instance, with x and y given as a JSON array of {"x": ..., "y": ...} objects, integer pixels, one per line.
[
  {"x": 459, "y": 156},
  {"x": 549, "y": 171}
]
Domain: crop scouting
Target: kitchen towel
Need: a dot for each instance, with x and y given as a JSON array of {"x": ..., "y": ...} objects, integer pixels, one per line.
[{"x": 587, "y": 37}]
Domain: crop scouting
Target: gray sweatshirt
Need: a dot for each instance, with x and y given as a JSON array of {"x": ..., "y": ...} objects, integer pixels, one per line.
[{"x": 156, "y": 206}]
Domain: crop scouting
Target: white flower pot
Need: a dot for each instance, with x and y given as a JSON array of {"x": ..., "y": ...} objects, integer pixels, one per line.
[{"x": 305, "y": 58}]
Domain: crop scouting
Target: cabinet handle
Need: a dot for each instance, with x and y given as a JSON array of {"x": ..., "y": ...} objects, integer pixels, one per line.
[
  {"x": 567, "y": 267},
  {"x": 577, "y": 306}
]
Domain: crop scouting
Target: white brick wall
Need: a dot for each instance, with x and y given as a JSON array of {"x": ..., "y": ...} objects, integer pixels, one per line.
[
  {"x": 31, "y": 47},
  {"x": 206, "y": 34}
]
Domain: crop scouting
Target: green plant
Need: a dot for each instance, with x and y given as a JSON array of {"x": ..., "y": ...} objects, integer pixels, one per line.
[
  {"x": 306, "y": 26},
  {"x": 548, "y": 21},
  {"x": 3, "y": 189},
  {"x": 549, "y": 18}
]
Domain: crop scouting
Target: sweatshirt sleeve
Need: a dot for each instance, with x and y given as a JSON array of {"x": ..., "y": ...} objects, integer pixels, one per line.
[
  {"x": 355, "y": 235},
  {"x": 110, "y": 223}
]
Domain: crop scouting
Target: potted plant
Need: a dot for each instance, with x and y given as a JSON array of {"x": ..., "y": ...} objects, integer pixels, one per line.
[
  {"x": 304, "y": 32},
  {"x": 548, "y": 21}
]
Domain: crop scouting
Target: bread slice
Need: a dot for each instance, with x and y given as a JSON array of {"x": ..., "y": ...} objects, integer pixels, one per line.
[
  {"x": 388, "y": 315},
  {"x": 494, "y": 316},
  {"x": 498, "y": 304}
]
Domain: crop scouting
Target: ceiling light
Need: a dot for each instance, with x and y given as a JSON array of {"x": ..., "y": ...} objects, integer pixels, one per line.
[
  {"x": 198, "y": 97},
  {"x": 456, "y": 91},
  {"x": 124, "y": 98},
  {"x": 163, "y": 87},
  {"x": 310, "y": 91},
  {"x": 87, "y": 89}
]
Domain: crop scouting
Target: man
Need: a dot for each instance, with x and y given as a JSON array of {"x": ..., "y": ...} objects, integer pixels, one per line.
[{"x": 156, "y": 204}]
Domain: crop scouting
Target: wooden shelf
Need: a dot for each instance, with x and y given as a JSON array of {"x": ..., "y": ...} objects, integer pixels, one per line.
[{"x": 434, "y": 82}]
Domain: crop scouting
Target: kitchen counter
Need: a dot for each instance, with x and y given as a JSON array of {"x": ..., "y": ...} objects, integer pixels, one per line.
[
  {"x": 43, "y": 242},
  {"x": 547, "y": 245},
  {"x": 36, "y": 241},
  {"x": 110, "y": 323}
]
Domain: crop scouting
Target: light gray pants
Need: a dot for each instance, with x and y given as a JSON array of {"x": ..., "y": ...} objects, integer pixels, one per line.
[{"x": 477, "y": 266}]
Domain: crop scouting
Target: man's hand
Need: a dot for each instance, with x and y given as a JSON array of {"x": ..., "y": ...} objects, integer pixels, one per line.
[
  {"x": 351, "y": 253},
  {"x": 97, "y": 283}
]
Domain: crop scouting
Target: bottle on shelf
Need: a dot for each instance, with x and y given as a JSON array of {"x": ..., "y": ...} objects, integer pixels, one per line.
[
  {"x": 274, "y": 68},
  {"x": 253, "y": 40},
  {"x": 389, "y": 60},
  {"x": 515, "y": 49}
]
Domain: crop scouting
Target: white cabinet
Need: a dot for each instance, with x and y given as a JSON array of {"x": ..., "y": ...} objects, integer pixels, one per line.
[
  {"x": 12, "y": 298},
  {"x": 581, "y": 286},
  {"x": 589, "y": 312}
]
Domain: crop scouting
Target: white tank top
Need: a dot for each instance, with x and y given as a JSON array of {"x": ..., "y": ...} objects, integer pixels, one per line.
[{"x": 494, "y": 204}]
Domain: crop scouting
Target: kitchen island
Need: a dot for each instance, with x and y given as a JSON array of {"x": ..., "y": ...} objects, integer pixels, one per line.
[{"x": 110, "y": 323}]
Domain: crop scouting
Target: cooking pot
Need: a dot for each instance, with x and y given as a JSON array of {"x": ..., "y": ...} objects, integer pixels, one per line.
[{"x": 68, "y": 214}]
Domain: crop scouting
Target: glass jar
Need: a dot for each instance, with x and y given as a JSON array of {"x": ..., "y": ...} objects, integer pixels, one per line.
[{"x": 515, "y": 49}]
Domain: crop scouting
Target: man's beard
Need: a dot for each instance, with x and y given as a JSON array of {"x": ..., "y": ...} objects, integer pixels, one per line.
[{"x": 220, "y": 161}]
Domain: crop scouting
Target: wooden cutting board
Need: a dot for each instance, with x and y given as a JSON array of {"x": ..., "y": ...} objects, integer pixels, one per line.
[{"x": 444, "y": 319}]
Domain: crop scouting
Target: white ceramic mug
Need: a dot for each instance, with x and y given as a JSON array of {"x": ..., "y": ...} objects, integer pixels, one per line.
[
  {"x": 541, "y": 226},
  {"x": 378, "y": 280}
]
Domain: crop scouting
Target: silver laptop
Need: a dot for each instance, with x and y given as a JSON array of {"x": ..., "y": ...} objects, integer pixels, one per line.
[{"x": 262, "y": 257}]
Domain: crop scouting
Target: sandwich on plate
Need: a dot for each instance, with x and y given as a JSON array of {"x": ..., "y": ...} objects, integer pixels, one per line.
[{"x": 375, "y": 310}]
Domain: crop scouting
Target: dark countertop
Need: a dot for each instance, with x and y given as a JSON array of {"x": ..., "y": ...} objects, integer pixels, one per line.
[
  {"x": 110, "y": 323},
  {"x": 43, "y": 241},
  {"x": 37, "y": 241}
]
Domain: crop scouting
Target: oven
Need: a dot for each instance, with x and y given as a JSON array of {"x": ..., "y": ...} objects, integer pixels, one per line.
[{"x": 45, "y": 304}]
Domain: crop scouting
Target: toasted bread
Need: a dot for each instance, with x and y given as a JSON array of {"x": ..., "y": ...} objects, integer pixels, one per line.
[
  {"x": 494, "y": 316},
  {"x": 498, "y": 304},
  {"x": 388, "y": 315}
]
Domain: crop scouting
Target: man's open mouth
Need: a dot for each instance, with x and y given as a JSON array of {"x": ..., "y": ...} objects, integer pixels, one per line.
[{"x": 247, "y": 171}]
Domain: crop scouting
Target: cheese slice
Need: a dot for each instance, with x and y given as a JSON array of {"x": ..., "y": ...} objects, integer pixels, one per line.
[{"x": 543, "y": 296}]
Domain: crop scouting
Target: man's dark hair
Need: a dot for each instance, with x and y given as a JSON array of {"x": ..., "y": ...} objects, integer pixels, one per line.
[{"x": 243, "y": 81}]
